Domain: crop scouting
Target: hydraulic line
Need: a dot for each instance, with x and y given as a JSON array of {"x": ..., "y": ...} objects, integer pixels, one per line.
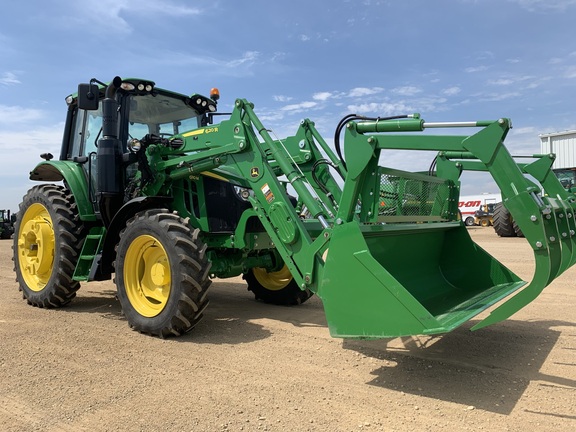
[{"x": 350, "y": 117}]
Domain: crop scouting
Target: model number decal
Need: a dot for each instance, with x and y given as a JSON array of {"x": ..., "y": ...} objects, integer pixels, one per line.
[{"x": 200, "y": 131}]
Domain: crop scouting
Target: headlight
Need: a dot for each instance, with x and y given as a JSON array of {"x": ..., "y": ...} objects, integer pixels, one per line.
[{"x": 134, "y": 145}]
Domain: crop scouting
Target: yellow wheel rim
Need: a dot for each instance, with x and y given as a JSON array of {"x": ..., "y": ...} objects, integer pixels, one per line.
[
  {"x": 147, "y": 277},
  {"x": 273, "y": 281},
  {"x": 36, "y": 247}
]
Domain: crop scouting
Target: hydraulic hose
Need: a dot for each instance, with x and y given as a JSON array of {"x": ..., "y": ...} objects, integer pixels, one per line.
[
  {"x": 350, "y": 117},
  {"x": 319, "y": 183}
]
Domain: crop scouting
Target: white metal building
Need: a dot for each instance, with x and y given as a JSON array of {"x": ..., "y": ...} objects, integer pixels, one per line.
[{"x": 563, "y": 144}]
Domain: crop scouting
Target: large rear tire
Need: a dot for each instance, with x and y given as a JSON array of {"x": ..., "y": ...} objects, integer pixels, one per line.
[
  {"x": 162, "y": 274},
  {"x": 47, "y": 242},
  {"x": 517, "y": 229},
  {"x": 502, "y": 221},
  {"x": 277, "y": 287}
]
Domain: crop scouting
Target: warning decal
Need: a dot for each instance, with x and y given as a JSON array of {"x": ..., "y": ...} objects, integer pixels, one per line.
[{"x": 267, "y": 193}]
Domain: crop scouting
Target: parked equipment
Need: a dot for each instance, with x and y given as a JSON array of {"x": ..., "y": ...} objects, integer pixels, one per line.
[
  {"x": 484, "y": 215},
  {"x": 561, "y": 145},
  {"x": 158, "y": 194},
  {"x": 6, "y": 224},
  {"x": 469, "y": 204}
]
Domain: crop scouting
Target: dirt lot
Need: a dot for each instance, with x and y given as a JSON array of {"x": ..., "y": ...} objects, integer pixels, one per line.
[{"x": 249, "y": 366}]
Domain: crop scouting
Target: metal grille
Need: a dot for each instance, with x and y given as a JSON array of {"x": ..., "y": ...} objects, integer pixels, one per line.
[{"x": 412, "y": 197}]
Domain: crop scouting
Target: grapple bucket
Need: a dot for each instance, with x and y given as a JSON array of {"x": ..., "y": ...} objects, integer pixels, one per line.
[
  {"x": 398, "y": 261},
  {"x": 413, "y": 280}
]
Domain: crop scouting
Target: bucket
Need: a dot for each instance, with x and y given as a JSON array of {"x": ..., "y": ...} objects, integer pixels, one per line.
[{"x": 389, "y": 280}]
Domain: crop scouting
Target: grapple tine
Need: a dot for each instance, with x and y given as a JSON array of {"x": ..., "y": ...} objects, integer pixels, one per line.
[{"x": 560, "y": 213}]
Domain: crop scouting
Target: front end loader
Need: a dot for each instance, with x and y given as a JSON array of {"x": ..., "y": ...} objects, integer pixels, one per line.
[{"x": 154, "y": 191}]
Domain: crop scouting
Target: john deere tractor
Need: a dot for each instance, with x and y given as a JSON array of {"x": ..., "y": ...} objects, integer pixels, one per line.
[{"x": 150, "y": 188}]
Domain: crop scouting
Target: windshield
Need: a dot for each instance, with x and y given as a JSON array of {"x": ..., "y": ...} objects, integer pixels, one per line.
[
  {"x": 566, "y": 177},
  {"x": 160, "y": 114}
]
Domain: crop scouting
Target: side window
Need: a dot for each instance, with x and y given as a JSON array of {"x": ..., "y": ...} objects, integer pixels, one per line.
[
  {"x": 76, "y": 136},
  {"x": 86, "y": 132},
  {"x": 93, "y": 131}
]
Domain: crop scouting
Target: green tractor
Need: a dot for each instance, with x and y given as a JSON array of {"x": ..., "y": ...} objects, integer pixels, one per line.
[
  {"x": 149, "y": 188},
  {"x": 6, "y": 224}
]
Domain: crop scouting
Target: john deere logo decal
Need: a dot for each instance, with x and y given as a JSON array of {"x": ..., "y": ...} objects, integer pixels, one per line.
[{"x": 254, "y": 172}]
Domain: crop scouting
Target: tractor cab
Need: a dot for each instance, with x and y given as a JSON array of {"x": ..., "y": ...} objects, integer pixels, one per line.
[{"x": 108, "y": 123}]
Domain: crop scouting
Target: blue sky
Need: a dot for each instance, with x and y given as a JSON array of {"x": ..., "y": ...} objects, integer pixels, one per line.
[{"x": 449, "y": 60}]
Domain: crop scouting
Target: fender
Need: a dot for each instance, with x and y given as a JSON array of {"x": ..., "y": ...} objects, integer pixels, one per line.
[
  {"x": 118, "y": 223},
  {"x": 72, "y": 174}
]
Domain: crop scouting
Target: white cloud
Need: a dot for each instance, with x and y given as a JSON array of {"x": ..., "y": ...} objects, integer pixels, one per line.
[
  {"x": 381, "y": 108},
  {"x": 20, "y": 154},
  {"x": 235, "y": 66},
  {"x": 555, "y": 5},
  {"x": 406, "y": 90},
  {"x": 364, "y": 91},
  {"x": 509, "y": 80},
  {"x": 475, "y": 69},
  {"x": 322, "y": 96},
  {"x": 108, "y": 14},
  {"x": 9, "y": 78},
  {"x": 424, "y": 105},
  {"x": 304, "y": 38},
  {"x": 10, "y": 115},
  {"x": 282, "y": 98},
  {"x": 249, "y": 57},
  {"x": 501, "y": 82},
  {"x": 451, "y": 91},
  {"x": 495, "y": 97},
  {"x": 299, "y": 107},
  {"x": 570, "y": 72}
]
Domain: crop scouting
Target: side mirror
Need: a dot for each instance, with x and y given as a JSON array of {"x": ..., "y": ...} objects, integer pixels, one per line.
[{"x": 88, "y": 96}]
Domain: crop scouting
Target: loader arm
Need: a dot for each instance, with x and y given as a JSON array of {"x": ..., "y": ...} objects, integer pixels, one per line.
[{"x": 242, "y": 151}]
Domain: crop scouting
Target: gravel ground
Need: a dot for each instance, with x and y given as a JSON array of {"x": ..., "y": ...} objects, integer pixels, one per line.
[{"x": 253, "y": 367}]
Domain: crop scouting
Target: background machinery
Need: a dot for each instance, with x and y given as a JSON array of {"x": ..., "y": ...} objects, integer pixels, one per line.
[
  {"x": 6, "y": 224},
  {"x": 562, "y": 146},
  {"x": 149, "y": 188},
  {"x": 484, "y": 215}
]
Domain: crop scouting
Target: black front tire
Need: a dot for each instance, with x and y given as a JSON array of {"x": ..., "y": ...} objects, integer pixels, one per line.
[
  {"x": 48, "y": 238},
  {"x": 162, "y": 274}
]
